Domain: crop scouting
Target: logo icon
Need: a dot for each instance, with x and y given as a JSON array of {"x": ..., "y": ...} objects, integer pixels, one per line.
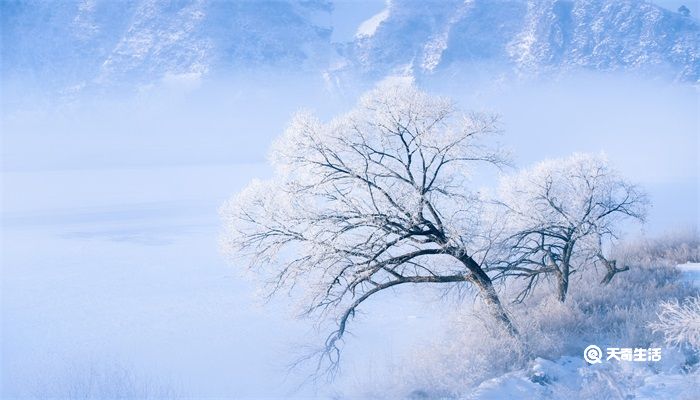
[{"x": 592, "y": 354}]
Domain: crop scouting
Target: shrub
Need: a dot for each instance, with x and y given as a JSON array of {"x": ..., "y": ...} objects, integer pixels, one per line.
[{"x": 680, "y": 322}]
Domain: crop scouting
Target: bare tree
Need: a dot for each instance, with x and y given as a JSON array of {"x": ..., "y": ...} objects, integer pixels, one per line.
[
  {"x": 559, "y": 214},
  {"x": 376, "y": 198}
]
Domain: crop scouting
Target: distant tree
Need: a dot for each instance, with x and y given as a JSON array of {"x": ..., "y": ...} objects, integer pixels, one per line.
[
  {"x": 376, "y": 198},
  {"x": 558, "y": 215},
  {"x": 684, "y": 11}
]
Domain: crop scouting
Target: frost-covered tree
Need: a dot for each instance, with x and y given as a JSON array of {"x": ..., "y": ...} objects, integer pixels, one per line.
[
  {"x": 375, "y": 198},
  {"x": 559, "y": 214}
]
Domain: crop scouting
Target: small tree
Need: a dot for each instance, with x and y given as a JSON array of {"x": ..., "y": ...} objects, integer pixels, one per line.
[
  {"x": 376, "y": 198},
  {"x": 559, "y": 214}
]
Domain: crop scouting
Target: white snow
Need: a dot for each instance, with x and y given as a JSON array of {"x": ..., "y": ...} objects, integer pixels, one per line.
[
  {"x": 691, "y": 272},
  {"x": 368, "y": 27},
  {"x": 572, "y": 378},
  {"x": 689, "y": 267}
]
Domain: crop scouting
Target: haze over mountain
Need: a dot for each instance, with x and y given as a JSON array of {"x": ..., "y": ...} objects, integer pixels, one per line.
[{"x": 82, "y": 43}]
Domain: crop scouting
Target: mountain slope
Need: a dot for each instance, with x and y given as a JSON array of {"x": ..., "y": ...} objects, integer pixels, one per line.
[
  {"x": 73, "y": 44},
  {"x": 142, "y": 40},
  {"x": 531, "y": 37}
]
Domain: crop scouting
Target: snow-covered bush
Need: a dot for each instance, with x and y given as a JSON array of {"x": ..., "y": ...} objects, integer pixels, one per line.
[
  {"x": 680, "y": 322},
  {"x": 618, "y": 314}
]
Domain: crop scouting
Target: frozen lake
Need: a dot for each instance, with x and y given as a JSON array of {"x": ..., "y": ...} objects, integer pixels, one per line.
[
  {"x": 118, "y": 270},
  {"x": 121, "y": 267}
]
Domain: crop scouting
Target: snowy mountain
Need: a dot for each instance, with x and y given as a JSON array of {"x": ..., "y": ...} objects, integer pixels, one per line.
[
  {"x": 142, "y": 40},
  {"x": 80, "y": 43},
  {"x": 529, "y": 37}
]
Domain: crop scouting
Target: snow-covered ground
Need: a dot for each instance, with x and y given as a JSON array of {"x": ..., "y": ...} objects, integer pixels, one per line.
[
  {"x": 691, "y": 272},
  {"x": 571, "y": 377}
]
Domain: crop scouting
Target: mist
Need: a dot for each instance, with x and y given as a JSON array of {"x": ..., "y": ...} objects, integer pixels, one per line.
[{"x": 109, "y": 221}]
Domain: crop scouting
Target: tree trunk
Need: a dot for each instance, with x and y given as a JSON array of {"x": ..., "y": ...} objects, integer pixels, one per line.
[
  {"x": 564, "y": 269},
  {"x": 494, "y": 303},
  {"x": 485, "y": 285},
  {"x": 563, "y": 281}
]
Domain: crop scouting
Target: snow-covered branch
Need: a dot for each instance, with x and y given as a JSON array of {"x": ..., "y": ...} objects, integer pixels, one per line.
[
  {"x": 376, "y": 197},
  {"x": 558, "y": 215}
]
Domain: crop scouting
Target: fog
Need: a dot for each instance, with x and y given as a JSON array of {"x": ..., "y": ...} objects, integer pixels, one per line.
[{"x": 109, "y": 222}]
